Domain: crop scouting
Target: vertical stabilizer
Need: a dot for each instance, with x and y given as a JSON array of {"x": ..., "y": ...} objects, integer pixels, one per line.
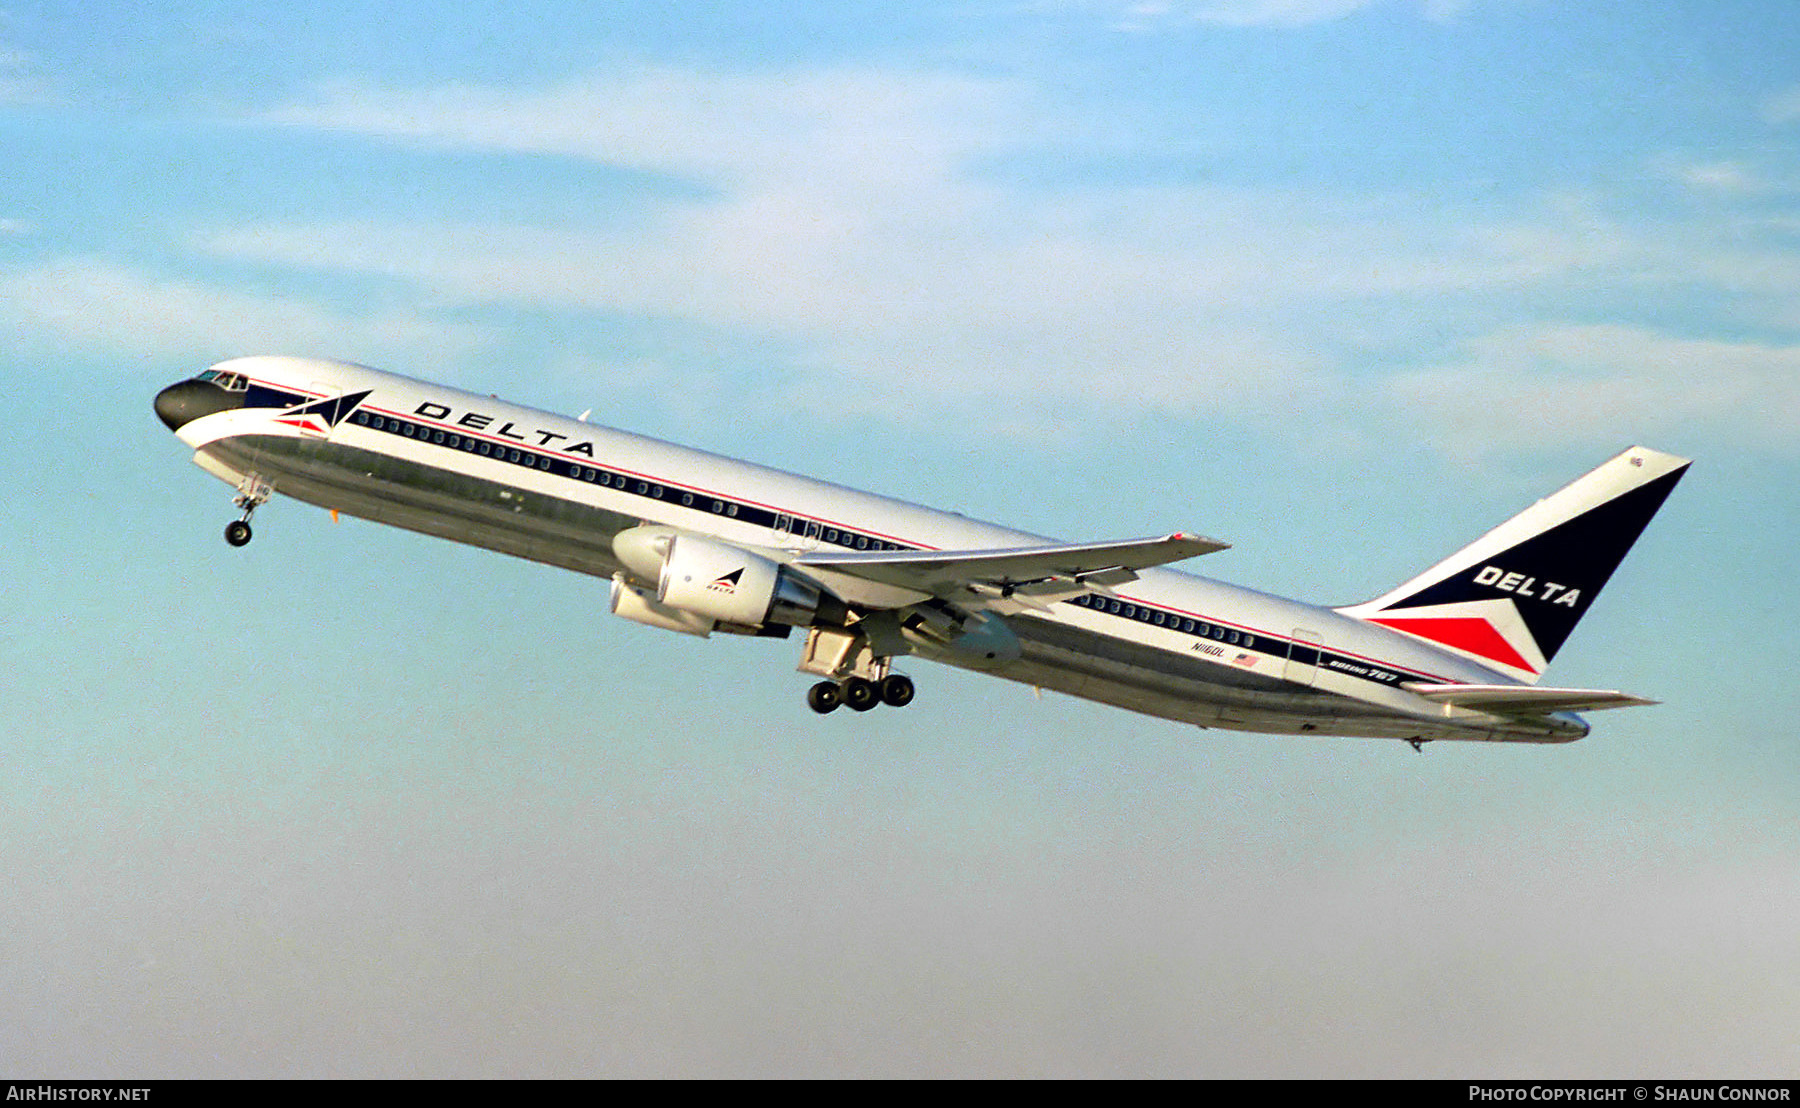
[{"x": 1510, "y": 599}]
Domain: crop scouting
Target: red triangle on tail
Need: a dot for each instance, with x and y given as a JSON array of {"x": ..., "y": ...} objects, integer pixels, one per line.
[{"x": 1470, "y": 634}]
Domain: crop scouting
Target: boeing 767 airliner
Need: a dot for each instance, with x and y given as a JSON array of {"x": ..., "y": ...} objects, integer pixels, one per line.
[{"x": 697, "y": 543}]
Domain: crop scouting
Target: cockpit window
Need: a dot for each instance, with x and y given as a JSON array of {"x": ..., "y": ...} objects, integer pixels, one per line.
[{"x": 230, "y": 382}]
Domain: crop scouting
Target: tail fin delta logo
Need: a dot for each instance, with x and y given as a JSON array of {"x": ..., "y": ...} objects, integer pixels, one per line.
[{"x": 1511, "y": 598}]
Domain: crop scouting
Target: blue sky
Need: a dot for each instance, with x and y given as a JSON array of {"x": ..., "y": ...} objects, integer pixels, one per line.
[{"x": 1343, "y": 282}]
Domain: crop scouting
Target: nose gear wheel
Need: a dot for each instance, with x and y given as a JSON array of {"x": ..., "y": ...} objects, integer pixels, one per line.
[{"x": 252, "y": 492}]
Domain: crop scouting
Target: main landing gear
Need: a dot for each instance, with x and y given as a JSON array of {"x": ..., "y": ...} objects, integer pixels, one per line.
[
  {"x": 860, "y": 694},
  {"x": 854, "y": 675},
  {"x": 252, "y": 492}
]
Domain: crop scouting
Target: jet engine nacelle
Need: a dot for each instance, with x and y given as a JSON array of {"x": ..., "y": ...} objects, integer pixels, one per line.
[
  {"x": 639, "y": 606},
  {"x": 730, "y": 585}
]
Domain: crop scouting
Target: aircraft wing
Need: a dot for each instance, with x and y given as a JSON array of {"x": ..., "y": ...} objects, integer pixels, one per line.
[
  {"x": 1525, "y": 700},
  {"x": 1029, "y": 576}
]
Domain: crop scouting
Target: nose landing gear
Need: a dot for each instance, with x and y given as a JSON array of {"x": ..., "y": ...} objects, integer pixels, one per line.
[{"x": 252, "y": 492}]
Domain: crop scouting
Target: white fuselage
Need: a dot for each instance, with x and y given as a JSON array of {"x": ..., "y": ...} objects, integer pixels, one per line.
[{"x": 478, "y": 470}]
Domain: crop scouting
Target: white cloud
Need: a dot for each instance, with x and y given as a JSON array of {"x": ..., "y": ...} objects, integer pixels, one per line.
[
  {"x": 854, "y": 128},
  {"x": 1548, "y": 384},
  {"x": 847, "y": 217},
  {"x": 1281, "y": 14},
  {"x": 1180, "y": 301},
  {"x": 105, "y": 305},
  {"x": 1783, "y": 107},
  {"x": 1272, "y": 13},
  {"x": 22, "y": 80},
  {"x": 1724, "y": 177}
]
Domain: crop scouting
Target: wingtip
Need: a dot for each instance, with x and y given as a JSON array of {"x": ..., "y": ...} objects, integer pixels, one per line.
[{"x": 1211, "y": 545}]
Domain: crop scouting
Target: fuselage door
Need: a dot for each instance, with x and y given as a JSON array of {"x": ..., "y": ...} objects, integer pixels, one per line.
[
  {"x": 1303, "y": 657},
  {"x": 794, "y": 533},
  {"x": 332, "y": 395}
]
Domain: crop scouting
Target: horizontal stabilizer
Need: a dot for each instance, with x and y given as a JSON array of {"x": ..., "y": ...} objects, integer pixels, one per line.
[
  {"x": 1073, "y": 568},
  {"x": 1525, "y": 700}
]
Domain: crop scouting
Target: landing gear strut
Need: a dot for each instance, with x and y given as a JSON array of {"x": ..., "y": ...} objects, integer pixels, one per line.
[
  {"x": 860, "y": 694},
  {"x": 252, "y": 492}
]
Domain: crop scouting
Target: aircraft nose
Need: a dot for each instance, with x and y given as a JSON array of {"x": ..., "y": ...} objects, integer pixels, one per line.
[{"x": 186, "y": 401}]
